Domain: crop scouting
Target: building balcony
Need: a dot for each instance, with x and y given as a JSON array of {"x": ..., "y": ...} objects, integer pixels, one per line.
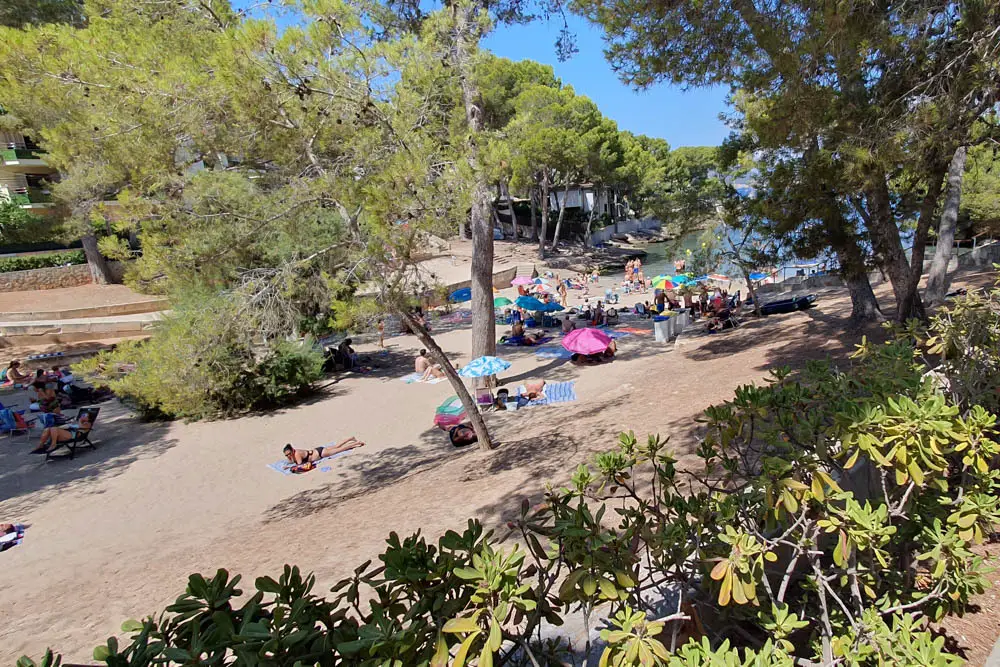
[
  {"x": 31, "y": 198},
  {"x": 24, "y": 160}
]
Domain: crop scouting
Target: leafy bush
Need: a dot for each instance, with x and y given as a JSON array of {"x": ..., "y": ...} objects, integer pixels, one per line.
[
  {"x": 202, "y": 362},
  {"x": 833, "y": 517},
  {"x": 26, "y": 262}
]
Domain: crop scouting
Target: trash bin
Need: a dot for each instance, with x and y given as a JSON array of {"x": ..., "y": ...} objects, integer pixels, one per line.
[{"x": 663, "y": 329}]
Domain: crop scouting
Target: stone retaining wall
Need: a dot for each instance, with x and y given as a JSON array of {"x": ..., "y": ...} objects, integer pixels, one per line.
[{"x": 53, "y": 277}]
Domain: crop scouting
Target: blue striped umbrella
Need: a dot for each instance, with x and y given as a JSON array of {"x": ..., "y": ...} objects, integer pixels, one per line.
[{"x": 483, "y": 367}]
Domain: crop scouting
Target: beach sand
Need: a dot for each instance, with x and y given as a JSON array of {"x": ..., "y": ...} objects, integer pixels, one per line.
[{"x": 114, "y": 533}]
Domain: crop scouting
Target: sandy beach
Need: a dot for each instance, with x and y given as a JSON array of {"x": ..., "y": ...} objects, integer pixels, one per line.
[{"x": 114, "y": 533}]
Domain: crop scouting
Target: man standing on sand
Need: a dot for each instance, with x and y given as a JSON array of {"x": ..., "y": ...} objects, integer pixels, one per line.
[{"x": 424, "y": 366}]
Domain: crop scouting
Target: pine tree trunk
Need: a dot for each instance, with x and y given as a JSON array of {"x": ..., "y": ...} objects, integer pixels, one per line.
[
  {"x": 534, "y": 217},
  {"x": 864, "y": 305},
  {"x": 99, "y": 271},
  {"x": 937, "y": 281},
  {"x": 505, "y": 191},
  {"x": 889, "y": 252},
  {"x": 466, "y": 38},
  {"x": 438, "y": 355},
  {"x": 927, "y": 208},
  {"x": 545, "y": 214},
  {"x": 590, "y": 222},
  {"x": 562, "y": 213}
]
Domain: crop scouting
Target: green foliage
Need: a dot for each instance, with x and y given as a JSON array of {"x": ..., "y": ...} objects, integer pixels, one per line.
[
  {"x": 19, "y": 225},
  {"x": 26, "y": 262},
  {"x": 203, "y": 363}
]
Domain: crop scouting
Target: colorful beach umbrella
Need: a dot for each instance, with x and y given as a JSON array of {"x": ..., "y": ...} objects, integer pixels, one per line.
[
  {"x": 529, "y": 303},
  {"x": 460, "y": 295},
  {"x": 586, "y": 341},
  {"x": 483, "y": 367},
  {"x": 450, "y": 413},
  {"x": 522, "y": 280},
  {"x": 501, "y": 302},
  {"x": 664, "y": 283},
  {"x": 757, "y": 276}
]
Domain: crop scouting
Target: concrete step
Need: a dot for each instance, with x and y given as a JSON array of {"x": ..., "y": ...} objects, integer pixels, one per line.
[
  {"x": 152, "y": 305},
  {"x": 526, "y": 270},
  {"x": 82, "y": 328}
]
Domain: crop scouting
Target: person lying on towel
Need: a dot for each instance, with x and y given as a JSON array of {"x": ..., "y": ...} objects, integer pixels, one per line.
[{"x": 304, "y": 460}]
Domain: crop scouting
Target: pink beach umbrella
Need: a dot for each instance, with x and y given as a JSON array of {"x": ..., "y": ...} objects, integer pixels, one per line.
[
  {"x": 586, "y": 341},
  {"x": 522, "y": 280}
]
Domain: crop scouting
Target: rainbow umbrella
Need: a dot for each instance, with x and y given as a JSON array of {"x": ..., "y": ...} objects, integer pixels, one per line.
[
  {"x": 664, "y": 283},
  {"x": 586, "y": 341}
]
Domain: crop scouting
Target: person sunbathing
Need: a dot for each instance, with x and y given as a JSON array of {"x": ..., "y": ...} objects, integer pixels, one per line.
[
  {"x": 462, "y": 435},
  {"x": 53, "y": 436},
  {"x": 534, "y": 389},
  {"x": 302, "y": 456},
  {"x": 13, "y": 374},
  {"x": 427, "y": 369}
]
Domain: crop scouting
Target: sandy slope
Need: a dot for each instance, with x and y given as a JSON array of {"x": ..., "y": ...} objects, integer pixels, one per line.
[{"x": 115, "y": 533}]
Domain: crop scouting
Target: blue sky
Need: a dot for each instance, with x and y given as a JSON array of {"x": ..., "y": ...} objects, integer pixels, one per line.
[{"x": 682, "y": 118}]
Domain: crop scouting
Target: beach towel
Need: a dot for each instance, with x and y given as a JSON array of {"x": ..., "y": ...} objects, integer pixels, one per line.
[
  {"x": 11, "y": 540},
  {"x": 555, "y": 392},
  {"x": 517, "y": 341},
  {"x": 615, "y": 334},
  {"x": 284, "y": 466},
  {"x": 415, "y": 378},
  {"x": 553, "y": 352},
  {"x": 635, "y": 331}
]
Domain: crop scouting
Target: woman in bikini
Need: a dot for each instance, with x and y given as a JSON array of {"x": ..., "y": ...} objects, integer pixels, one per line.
[{"x": 300, "y": 456}]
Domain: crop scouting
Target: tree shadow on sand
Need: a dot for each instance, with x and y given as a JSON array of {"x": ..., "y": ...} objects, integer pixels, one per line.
[{"x": 27, "y": 480}]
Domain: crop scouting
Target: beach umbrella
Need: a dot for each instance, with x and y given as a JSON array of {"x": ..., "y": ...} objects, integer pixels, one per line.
[
  {"x": 586, "y": 341},
  {"x": 483, "y": 367},
  {"x": 539, "y": 281},
  {"x": 529, "y": 303},
  {"x": 718, "y": 276},
  {"x": 522, "y": 280},
  {"x": 550, "y": 307},
  {"x": 501, "y": 302},
  {"x": 664, "y": 283},
  {"x": 679, "y": 279},
  {"x": 700, "y": 279},
  {"x": 459, "y": 295},
  {"x": 450, "y": 413},
  {"x": 757, "y": 276}
]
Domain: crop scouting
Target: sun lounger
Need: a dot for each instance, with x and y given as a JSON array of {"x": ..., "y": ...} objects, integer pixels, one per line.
[{"x": 81, "y": 437}]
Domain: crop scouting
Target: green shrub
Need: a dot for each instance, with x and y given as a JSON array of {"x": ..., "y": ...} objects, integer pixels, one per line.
[
  {"x": 26, "y": 262},
  {"x": 201, "y": 362}
]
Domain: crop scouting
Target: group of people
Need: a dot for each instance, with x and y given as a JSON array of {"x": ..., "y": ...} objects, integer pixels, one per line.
[
  {"x": 51, "y": 390},
  {"x": 635, "y": 279}
]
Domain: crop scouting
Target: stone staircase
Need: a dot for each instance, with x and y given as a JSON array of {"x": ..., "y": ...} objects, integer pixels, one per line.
[
  {"x": 39, "y": 328},
  {"x": 526, "y": 271}
]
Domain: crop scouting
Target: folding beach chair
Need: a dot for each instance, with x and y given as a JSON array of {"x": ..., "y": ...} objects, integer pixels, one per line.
[
  {"x": 13, "y": 423},
  {"x": 81, "y": 437}
]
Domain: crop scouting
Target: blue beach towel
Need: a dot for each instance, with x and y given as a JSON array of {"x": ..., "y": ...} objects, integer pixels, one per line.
[
  {"x": 556, "y": 392},
  {"x": 284, "y": 466},
  {"x": 553, "y": 352}
]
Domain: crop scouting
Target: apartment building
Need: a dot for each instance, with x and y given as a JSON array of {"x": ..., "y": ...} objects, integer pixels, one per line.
[{"x": 24, "y": 174}]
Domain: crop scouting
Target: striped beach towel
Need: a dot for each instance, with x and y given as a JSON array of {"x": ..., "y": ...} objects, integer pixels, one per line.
[{"x": 556, "y": 392}]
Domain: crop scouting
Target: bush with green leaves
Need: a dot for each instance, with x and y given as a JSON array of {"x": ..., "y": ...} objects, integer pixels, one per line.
[
  {"x": 45, "y": 261},
  {"x": 833, "y": 517},
  {"x": 202, "y": 362}
]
